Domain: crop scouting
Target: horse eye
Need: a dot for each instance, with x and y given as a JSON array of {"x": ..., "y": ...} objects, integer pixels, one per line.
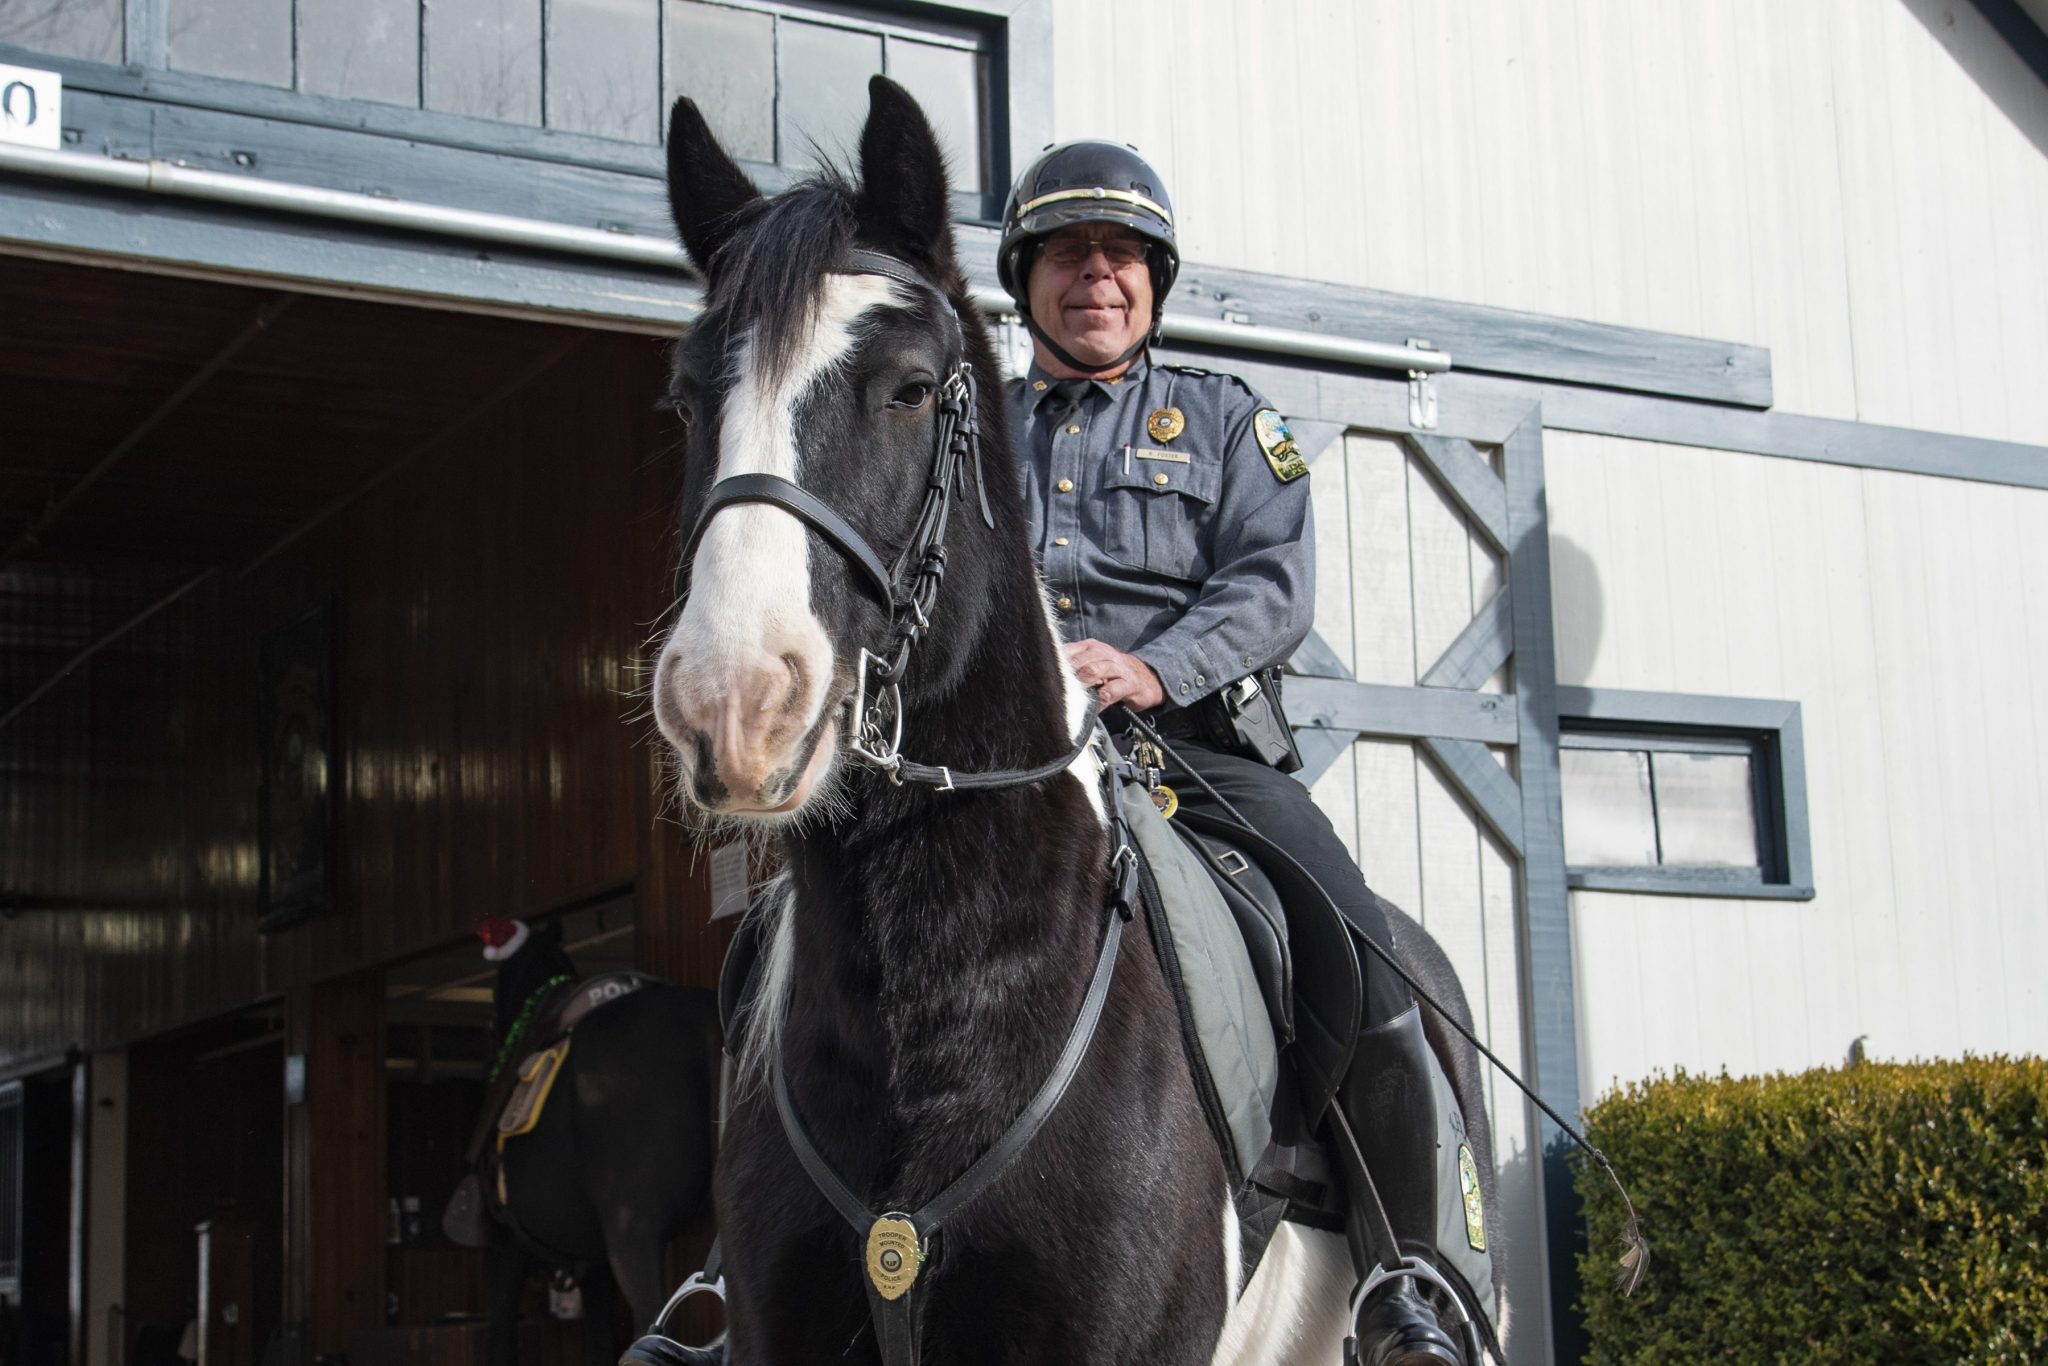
[{"x": 912, "y": 396}]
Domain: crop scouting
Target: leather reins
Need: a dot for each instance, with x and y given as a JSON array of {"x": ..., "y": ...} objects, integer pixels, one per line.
[{"x": 909, "y": 590}]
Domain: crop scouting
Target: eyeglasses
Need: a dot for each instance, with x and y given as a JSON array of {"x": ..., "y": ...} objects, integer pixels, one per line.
[{"x": 1068, "y": 252}]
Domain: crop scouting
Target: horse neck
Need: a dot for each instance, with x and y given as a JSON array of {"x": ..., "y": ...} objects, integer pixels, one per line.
[{"x": 928, "y": 921}]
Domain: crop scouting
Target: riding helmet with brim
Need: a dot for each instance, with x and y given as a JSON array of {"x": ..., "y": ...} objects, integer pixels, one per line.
[{"x": 1088, "y": 181}]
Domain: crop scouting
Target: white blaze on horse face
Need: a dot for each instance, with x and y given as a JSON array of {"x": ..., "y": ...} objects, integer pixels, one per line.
[{"x": 745, "y": 674}]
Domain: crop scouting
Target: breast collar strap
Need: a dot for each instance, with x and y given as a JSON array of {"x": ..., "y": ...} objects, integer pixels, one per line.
[
  {"x": 898, "y": 1317},
  {"x": 910, "y": 589}
]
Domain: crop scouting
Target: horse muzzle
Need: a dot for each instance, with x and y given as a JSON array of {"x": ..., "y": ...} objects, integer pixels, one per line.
[{"x": 750, "y": 741}]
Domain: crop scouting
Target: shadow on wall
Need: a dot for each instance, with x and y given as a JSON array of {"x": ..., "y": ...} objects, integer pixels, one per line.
[
  {"x": 1577, "y": 610},
  {"x": 1990, "y": 63}
]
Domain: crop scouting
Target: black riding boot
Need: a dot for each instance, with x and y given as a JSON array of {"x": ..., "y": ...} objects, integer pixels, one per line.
[{"x": 1389, "y": 1097}]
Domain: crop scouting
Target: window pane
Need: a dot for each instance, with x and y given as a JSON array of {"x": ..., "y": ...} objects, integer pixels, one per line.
[
  {"x": 603, "y": 70},
  {"x": 91, "y": 29},
  {"x": 360, "y": 49},
  {"x": 824, "y": 88},
  {"x": 724, "y": 59},
  {"x": 1706, "y": 810},
  {"x": 483, "y": 58},
  {"x": 244, "y": 40},
  {"x": 946, "y": 81},
  {"x": 1608, "y": 820}
]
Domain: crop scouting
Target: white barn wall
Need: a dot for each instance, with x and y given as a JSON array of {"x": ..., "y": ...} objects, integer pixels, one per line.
[
  {"x": 1859, "y": 185},
  {"x": 1908, "y": 615}
]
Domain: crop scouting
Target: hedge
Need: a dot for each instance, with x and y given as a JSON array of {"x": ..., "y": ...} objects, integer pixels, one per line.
[{"x": 1882, "y": 1213}]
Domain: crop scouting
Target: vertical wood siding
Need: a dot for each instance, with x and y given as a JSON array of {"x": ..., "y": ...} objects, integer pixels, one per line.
[
  {"x": 1860, "y": 185},
  {"x": 1906, "y": 614}
]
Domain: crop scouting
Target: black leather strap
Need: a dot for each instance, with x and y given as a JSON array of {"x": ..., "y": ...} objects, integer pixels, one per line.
[
  {"x": 779, "y": 492},
  {"x": 998, "y": 1158},
  {"x": 946, "y": 780}
]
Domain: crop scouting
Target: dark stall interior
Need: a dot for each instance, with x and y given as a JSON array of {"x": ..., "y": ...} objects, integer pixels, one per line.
[
  {"x": 206, "y": 1171},
  {"x": 476, "y": 513}
]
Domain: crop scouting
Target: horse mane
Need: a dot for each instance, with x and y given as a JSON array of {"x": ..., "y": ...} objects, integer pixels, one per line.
[{"x": 769, "y": 270}]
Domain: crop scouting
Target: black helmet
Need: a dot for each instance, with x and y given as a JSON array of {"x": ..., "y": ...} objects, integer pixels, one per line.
[{"x": 1086, "y": 182}]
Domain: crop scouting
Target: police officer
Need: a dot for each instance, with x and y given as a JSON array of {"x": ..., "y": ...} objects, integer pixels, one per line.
[{"x": 1170, "y": 515}]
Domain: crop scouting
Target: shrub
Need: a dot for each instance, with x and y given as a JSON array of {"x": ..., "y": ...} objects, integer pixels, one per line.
[{"x": 1884, "y": 1213}]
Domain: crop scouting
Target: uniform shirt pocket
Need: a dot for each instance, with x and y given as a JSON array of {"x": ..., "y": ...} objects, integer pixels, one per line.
[{"x": 1159, "y": 513}]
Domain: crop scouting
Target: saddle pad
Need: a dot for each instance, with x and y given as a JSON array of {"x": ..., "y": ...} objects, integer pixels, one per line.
[
  {"x": 536, "y": 1079},
  {"x": 1223, "y": 1012}
]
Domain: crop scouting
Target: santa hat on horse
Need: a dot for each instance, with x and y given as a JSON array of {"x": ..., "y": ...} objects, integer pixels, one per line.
[{"x": 502, "y": 936}]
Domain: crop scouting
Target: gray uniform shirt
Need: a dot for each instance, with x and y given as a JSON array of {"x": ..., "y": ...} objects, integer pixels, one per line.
[{"x": 1189, "y": 552}]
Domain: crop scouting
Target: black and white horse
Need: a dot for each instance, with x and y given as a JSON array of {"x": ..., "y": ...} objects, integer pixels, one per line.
[
  {"x": 935, "y": 946},
  {"x": 620, "y": 1157}
]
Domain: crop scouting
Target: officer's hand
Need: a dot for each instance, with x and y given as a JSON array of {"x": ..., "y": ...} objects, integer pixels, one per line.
[{"x": 1115, "y": 676}]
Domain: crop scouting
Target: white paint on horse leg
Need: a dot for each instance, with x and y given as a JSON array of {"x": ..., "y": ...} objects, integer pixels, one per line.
[
  {"x": 748, "y": 664},
  {"x": 1087, "y": 765},
  {"x": 1296, "y": 1310}
]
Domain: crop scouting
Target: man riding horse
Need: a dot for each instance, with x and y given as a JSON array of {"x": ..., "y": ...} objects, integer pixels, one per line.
[{"x": 1170, "y": 514}]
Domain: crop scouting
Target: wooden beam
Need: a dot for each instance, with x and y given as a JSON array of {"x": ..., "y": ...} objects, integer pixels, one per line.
[
  {"x": 334, "y": 1162},
  {"x": 1467, "y": 477},
  {"x": 1400, "y": 713}
]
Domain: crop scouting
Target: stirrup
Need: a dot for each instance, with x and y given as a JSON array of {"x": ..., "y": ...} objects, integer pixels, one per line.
[
  {"x": 1460, "y": 1326},
  {"x": 657, "y": 1348}
]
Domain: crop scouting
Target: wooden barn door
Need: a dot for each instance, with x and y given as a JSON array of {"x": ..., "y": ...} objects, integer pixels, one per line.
[{"x": 1424, "y": 706}]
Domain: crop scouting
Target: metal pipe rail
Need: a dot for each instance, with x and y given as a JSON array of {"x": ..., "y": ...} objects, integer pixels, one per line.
[{"x": 171, "y": 178}]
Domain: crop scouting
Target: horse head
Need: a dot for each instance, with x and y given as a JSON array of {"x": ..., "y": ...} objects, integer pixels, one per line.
[{"x": 831, "y": 364}]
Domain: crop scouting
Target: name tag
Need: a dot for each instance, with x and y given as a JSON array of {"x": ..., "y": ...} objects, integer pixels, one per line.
[{"x": 1154, "y": 453}]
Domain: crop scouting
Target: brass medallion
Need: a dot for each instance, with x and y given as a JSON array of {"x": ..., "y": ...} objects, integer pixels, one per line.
[
  {"x": 1165, "y": 424},
  {"x": 1166, "y": 799},
  {"x": 894, "y": 1255}
]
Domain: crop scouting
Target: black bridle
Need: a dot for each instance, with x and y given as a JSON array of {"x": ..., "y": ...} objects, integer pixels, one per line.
[{"x": 908, "y": 591}]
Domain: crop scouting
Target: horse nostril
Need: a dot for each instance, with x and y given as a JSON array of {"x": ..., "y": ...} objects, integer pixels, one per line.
[
  {"x": 794, "y": 699},
  {"x": 705, "y": 784}
]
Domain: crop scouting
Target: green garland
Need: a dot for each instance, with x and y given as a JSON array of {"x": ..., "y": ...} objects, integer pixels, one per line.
[{"x": 524, "y": 1019}]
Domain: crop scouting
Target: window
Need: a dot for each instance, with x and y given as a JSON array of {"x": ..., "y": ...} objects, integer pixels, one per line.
[
  {"x": 782, "y": 82},
  {"x": 1683, "y": 795}
]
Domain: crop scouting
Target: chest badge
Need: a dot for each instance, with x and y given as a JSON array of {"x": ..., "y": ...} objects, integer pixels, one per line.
[
  {"x": 1278, "y": 444},
  {"x": 1165, "y": 424}
]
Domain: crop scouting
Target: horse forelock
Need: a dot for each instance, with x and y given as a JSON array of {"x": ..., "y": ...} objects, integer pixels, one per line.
[{"x": 767, "y": 280}]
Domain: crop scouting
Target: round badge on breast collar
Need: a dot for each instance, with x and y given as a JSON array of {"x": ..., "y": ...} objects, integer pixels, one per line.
[
  {"x": 894, "y": 1255},
  {"x": 1165, "y": 424}
]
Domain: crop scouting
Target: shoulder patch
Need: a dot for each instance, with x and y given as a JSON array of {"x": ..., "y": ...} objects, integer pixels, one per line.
[{"x": 1278, "y": 445}]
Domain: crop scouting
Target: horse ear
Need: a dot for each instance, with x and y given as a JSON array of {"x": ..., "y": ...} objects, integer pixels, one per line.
[
  {"x": 903, "y": 178},
  {"x": 706, "y": 187}
]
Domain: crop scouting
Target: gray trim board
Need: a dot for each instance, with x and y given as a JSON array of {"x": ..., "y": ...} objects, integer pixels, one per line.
[
  {"x": 1486, "y": 338},
  {"x": 1343, "y": 704},
  {"x": 61, "y": 222},
  {"x": 1485, "y": 404},
  {"x": 1653, "y": 884},
  {"x": 1551, "y": 996},
  {"x": 1480, "y": 649},
  {"x": 2020, "y": 32},
  {"x": 1832, "y": 441},
  {"x": 1469, "y": 479},
  {"x": 1481, "y": 779},
  {"x": 1784, "y": 786}
]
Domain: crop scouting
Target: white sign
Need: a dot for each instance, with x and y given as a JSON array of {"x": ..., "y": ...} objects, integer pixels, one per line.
[
  {"x": 730, "y": 883},
  {"x": 31, "y": 107}
]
